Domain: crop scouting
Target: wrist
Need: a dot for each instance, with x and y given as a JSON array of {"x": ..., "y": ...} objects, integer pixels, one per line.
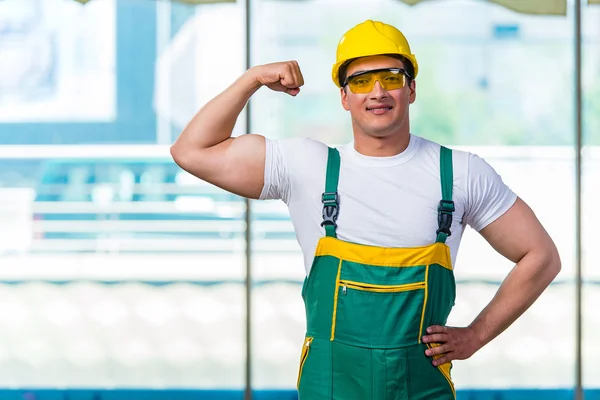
[
  {"x": 252, "y": 76},
  {"x": 477, "y": 334}
]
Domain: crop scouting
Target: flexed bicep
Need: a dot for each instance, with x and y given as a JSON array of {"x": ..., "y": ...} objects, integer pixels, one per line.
[{"x": 236, "y": 165}]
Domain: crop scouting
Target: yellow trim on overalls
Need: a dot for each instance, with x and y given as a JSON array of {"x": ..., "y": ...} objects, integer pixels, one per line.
[
  {"x": 444, "y": 368},
  {"x": 335, "y": 300},
  {"x": 369, "y": 287},
  {"x": 436, "y": 253},
  {"x": 424, "y": 304},
  {"x": 305, "y": 350}
]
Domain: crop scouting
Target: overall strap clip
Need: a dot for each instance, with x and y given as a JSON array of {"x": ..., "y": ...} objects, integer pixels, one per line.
[
  {"x": 330, "y": 208},
  {"x": 445, "y": 210}
]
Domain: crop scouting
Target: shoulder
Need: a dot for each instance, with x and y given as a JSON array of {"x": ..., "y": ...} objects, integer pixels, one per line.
[
  {"x": 465, "y": 162},
  {"x": 474, "y": 177},
  {"x": 299, "y": 147},
  {"x": 302, "y": 158},
  {"x": 460, "y": 158}
]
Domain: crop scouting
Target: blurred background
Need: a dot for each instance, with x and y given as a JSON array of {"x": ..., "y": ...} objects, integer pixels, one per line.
[{"x": 123, "y": 277}]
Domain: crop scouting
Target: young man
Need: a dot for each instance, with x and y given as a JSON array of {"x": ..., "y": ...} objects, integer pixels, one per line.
[{"x": 379, "y": 221}]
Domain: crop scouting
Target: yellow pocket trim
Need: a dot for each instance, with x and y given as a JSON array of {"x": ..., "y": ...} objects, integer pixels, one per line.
[
  {"x": 369, "y": 287},
  {"x": 335, "y": 299},
  {"x": 424, "y": 304},
  {"x": 303, "y": 356},
  {"x": 444, "y": 368},
  {"x": 436, "y": 253}
]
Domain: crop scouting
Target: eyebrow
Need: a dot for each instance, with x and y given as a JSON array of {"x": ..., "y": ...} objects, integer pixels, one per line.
[{"x": 360, "y": 71}]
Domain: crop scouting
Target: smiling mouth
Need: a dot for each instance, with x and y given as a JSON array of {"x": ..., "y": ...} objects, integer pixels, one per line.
[{"x": 379, "y": 109}]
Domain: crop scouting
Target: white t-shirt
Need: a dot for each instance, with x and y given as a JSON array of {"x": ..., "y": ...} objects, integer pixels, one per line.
[{"x": 384, "y": 201}]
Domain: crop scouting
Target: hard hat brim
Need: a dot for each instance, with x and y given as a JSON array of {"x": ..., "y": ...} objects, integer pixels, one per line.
[{"x": 335, "y": 70}]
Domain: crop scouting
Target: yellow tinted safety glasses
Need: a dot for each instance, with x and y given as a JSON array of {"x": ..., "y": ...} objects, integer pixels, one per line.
[{"x": 364, "y": 81}]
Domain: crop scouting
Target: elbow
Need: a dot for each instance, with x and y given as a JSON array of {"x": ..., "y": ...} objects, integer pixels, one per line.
[
  {"x": 190, "y": 160},
  {"x": 175, "y": 153},
  {"x": 557, "y": 264},
  {"x": 179, "y": 154},
  {"x": 181, "y": 157},
  {"x": 553, "y": 262},
  {"x": 544, "y": 263}
]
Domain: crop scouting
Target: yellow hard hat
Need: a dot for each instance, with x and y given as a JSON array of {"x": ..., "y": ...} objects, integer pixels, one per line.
[{"x": 371, "y": 38}]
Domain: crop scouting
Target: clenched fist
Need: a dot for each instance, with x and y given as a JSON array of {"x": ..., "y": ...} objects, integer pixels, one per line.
[{"x": 280, "y": 76}]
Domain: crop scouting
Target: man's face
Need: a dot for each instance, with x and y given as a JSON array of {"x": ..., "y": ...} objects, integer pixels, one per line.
[{"x": 379, "y": 113}]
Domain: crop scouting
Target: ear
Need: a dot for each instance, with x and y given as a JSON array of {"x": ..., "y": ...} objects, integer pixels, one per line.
[
  {"x": 412, "y": 95},
  {"x": 344, "y": 99}
]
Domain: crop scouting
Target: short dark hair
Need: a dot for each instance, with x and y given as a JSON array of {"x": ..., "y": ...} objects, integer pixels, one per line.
[{"x": 410, "y": 69}]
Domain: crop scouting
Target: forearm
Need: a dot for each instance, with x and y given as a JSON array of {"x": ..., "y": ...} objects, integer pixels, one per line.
[
  {"x": 523, "y": 285},
  {"x": 215, "y": 121}
]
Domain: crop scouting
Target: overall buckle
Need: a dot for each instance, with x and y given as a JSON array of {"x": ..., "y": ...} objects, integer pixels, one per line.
[
  {"x": 445, "y": 210},
  {"x": 330, "y": 208}
]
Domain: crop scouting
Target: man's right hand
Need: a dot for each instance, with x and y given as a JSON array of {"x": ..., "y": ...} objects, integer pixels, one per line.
[{"x": 280, "y": 76}]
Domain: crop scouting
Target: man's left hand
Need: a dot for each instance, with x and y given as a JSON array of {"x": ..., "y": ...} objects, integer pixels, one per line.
[{"x": 454, "y": 343}]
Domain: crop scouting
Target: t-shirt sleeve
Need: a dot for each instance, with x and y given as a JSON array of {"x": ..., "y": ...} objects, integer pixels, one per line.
[
  {"x": 488, "y": 197},
  {"x": 277, "y": 183}
]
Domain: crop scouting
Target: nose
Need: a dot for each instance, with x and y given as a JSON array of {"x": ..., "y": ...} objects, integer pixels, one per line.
[{"x": 378, "y": 91}]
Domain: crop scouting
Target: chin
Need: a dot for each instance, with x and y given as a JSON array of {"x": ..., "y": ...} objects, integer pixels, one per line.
[
  {"x": 379, "y": 134},
  {"x": 381, "y": 131}
]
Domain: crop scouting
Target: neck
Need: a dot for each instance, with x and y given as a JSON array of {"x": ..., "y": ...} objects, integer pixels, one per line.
[{"x": 381, "y": 146}]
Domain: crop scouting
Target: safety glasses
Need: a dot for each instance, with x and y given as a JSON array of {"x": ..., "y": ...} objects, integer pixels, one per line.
[{"x": 389, "y": 78}]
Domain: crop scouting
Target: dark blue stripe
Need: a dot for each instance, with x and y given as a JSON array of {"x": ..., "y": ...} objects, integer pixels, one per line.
[{"x": 189, "y": 394}]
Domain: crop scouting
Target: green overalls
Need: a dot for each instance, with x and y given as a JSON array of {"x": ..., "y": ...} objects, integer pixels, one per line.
[{"x": 367, "y": 308}]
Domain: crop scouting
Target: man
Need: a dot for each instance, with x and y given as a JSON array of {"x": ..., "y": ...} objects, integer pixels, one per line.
[{"x": 379, "y": 221}]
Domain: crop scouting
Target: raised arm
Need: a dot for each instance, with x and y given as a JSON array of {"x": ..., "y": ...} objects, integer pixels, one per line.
[{"x": 205, "y": 147}]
